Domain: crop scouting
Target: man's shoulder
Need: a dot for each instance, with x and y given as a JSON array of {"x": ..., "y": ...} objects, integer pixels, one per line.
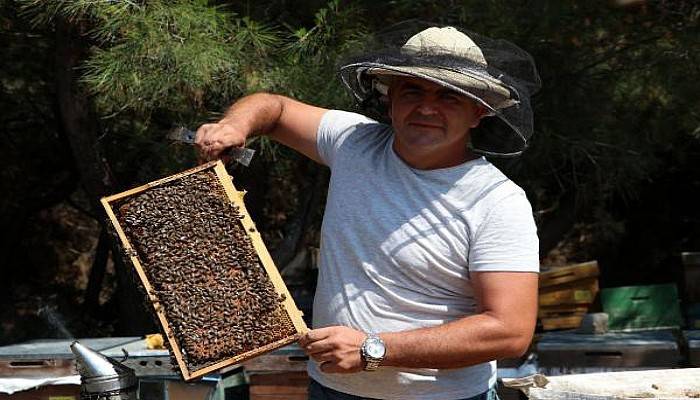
[
  {"x": 351, "y": 127},
  {"x": 485, "y": 185},
  {"x": 348, "y": 133},
  {"x": 486, "y": 175},
  {"x": 340, "y": 119}
]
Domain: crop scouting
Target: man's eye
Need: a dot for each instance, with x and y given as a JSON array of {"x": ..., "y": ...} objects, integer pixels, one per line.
[{"x": 451, "y": 98}]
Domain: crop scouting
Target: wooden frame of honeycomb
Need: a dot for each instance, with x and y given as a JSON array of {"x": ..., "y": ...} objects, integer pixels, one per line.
[{"x": 169, "y": 312}]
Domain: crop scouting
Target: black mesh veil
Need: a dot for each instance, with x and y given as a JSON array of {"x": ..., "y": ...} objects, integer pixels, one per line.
[{"x": 496, "y": 73}]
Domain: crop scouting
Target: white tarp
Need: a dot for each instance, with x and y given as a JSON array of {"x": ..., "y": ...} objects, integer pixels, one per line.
[
  {"x": 682, "y": 383},
  {"x": 12, "y": 385}
]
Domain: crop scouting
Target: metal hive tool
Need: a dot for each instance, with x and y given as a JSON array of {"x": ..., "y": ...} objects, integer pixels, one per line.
[{"x": 242, "y": 155}]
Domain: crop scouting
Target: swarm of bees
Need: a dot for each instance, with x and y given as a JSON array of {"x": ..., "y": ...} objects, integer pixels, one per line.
[{"x": 204, "y": 270}]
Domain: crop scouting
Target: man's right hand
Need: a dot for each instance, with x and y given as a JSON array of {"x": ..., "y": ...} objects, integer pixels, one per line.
[{"x": 213, "y": 139}]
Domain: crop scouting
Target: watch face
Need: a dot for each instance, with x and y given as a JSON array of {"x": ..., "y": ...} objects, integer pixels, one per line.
[{"x": 375, "y": 348}]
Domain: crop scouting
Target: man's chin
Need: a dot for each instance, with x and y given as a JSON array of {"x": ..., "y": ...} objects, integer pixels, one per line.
[
  {"x": 425, "y": 130},
  {"x": 422, "y": 141}
]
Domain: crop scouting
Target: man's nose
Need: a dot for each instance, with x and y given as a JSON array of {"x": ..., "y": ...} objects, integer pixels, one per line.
[{"x": 427, "y": 107}]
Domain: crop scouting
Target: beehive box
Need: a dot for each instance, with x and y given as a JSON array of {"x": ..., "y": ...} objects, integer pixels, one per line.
[
  {"x": 642, "y": 307},
  {"x": 578, "y": 292},
  {"x": 206, "y": 272},
  {"x": 693, "y": 344},
  {"x": 569, "y": 273},
  {"x": 292, "y": 385},
  {"x": 278, "y": 375},
  {"x": 563, "y": 306},
  {"x": 651, "y": 349},
  {"x": 566, "y": 295}
]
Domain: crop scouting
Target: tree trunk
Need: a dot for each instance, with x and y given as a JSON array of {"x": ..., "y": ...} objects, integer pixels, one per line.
[
  {"x": 82, "y": 130},
  {"x": 555, "y": 227},
  {"x": 91, "y": 300},
  {"x": 78, "y": 119}
]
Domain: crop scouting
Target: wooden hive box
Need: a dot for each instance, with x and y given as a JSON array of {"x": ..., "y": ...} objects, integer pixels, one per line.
[
  {"x": 206, "y": 272},
  {"x": 278, "y": 375},
  {"x": 566, "y": 294},
  {"x": 578, "y": 292},
  {"x": 292, "y": 385},
  {"x": 567, "y": 274}
]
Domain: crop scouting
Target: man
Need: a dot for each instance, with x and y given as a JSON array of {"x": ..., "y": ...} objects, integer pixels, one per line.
[{"x": 429, "y": 255}]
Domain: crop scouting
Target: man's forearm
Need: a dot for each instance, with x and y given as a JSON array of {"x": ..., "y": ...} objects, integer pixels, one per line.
[
  {"x": 467, "y": 341},
  {"x": 257, "y": 114},
  {"x": 290, "y": 122}
]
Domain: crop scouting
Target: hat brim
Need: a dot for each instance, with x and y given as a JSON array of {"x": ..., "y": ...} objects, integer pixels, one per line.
[{"x": 487, "y": 90}]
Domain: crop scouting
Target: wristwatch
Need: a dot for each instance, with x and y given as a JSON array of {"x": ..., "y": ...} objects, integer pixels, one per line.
[{"x": 372, "y": 352}]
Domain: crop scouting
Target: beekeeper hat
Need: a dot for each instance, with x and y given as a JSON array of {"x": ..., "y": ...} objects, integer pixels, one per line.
[{"x": 495, "y": 73}]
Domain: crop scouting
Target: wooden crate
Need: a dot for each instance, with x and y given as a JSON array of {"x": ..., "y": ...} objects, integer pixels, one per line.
[
  {"x": 236, "y": 198},
  {"x": 566, "y": 294},
  {"x": 563, "y": 322},
  {"x": 569, "y": 273},
  {"x": 581, "y": 291},
  {"x": 562, "y": 316},
  {"x": 562, "y": 310}
]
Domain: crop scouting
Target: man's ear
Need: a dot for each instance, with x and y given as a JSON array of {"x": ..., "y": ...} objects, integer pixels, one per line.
[{"x": 479, "y": 112}]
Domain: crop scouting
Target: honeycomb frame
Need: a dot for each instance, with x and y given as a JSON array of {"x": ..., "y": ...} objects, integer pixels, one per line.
[{"x": 236, "y": 198}]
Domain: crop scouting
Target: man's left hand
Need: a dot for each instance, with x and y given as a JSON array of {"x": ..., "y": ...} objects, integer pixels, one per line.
[{"x": 336, "y": 348}]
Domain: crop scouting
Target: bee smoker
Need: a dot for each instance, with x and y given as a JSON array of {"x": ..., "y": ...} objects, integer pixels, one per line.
[{"x": 101, "y": 377}]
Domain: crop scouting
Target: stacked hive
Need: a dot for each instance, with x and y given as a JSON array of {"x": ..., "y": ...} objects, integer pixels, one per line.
[{"x": 566, "y": 295}]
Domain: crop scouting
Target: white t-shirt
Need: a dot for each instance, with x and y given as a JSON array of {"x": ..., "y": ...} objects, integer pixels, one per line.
[{"x": 397, "y": 245}]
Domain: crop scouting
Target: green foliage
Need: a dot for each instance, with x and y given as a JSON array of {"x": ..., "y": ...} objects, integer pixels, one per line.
[
  {"x": 163, "y": 56},
  {"x": 620, "y": 94},
  {"x": 185, "y": 60},
  {"x": 616, "y": 91},
  {"x": 44, "y": 12}
]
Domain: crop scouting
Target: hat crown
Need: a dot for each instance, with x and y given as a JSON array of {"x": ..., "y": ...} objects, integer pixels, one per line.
[{"x": 445, "y": 41}]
